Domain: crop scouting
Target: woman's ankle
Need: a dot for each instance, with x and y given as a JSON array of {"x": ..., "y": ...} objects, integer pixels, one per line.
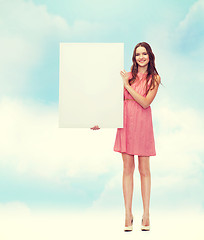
[
  {"x": 128, "y": 213},
  {"x": 145, "y": 215}
]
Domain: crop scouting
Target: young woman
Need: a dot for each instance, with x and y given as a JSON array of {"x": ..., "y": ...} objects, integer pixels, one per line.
[{"x": 137, "y": 137}]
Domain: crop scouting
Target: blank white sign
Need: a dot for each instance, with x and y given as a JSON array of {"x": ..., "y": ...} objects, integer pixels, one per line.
[{"x": 90, "y": 85}]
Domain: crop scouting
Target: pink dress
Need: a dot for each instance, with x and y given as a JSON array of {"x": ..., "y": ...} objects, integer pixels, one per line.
[{"x": 137, "y": 136}]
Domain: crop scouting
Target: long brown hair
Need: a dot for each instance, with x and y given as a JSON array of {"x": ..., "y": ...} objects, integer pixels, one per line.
[{"x": 151, "y": 69}]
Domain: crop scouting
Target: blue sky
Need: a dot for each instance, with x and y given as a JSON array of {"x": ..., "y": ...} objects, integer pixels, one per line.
[{"x": 39, "y": 164}]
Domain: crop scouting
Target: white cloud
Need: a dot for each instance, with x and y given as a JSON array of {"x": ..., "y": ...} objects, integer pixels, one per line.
[
  {"x": 111, "y": 196},
  {"x": 51, "y": 224},
  {"x": 189, "y": 34},
  {"x": 194, "y": 15},
  {"x": 24, "y": 30},
  {"x": 83, "y": 29},
  {"x": 14, "y": 208},
  {"x": 32, "y": 143},
  {"x": 179, "y": 50},
  {"x": 180, "y": 138},
  {"x": 27, "y": 32}
]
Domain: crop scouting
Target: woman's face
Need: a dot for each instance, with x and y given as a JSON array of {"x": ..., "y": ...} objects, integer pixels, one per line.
[{"x": 142, "y": 57}]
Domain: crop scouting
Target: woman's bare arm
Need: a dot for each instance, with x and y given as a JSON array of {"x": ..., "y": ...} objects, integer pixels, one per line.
[{"x": 144, "y": 101}]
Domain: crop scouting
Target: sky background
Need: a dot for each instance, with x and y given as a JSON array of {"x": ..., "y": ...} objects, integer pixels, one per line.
[{"x": 45, "y": 167}]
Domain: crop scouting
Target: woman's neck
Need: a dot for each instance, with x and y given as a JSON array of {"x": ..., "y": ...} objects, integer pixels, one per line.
[{"x": 142, "y": 69}]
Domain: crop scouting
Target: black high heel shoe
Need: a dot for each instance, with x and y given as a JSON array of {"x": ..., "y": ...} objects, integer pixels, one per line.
[{"x": 129, "y": 228}]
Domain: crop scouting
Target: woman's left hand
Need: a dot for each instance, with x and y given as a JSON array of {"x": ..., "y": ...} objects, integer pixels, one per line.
[{"x": 125, "y": 77}]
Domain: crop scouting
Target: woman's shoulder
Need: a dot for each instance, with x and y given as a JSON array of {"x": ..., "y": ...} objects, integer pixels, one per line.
[
  {"x": 130, "y": 74},
  {"x": 157, "y": 78}
]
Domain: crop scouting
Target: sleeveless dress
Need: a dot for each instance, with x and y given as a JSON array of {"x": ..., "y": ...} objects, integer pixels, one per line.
[{"x": 137, "y": 136}]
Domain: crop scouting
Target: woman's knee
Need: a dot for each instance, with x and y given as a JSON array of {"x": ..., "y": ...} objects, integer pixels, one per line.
[
  {"x": 128, "y": 163},
  {"x": 128, "y": 168},
  {"x": 144, "y": 166},
  {"x": 144, "y": 171}
]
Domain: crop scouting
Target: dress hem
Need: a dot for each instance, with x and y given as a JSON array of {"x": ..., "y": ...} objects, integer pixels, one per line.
[{"x": 142, "y": 155}]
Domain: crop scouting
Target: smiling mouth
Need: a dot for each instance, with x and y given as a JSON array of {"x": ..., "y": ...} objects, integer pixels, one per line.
[{"x": 142, "y": 61}]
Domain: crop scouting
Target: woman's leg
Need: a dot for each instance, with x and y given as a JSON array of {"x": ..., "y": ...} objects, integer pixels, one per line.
[
  {"x": 145, "y": 176},
  {"x": 128, "y": 171}
]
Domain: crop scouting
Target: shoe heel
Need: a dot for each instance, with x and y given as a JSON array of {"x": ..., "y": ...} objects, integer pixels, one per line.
[
  {"x": 129, "y": 228},
  {"x": 144, "y": 228}
]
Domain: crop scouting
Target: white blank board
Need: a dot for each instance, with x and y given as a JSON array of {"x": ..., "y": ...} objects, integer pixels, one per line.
[{"x": 90, "y": 85}]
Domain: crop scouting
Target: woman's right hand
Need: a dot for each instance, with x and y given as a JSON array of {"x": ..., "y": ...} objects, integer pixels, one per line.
[
  {"x": 125, "y": 77},
  {"x": 96, "y": 127}
]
